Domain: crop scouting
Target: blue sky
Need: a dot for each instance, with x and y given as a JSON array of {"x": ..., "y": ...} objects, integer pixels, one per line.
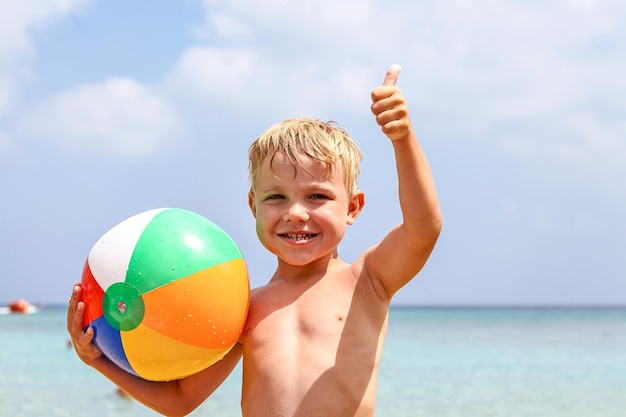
[{"x": 110, "y": 108}]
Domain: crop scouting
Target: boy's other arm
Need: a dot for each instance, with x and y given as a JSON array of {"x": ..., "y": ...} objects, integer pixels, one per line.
[
  {"x": 404, "y": 251},
  {"x": 171, "y": 398}
]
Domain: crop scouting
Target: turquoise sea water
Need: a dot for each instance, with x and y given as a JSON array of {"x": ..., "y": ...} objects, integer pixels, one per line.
[{"x": 437, "y": 362}]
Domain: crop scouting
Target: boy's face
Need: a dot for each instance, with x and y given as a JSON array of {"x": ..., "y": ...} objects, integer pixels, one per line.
[{"x": 301, "y": 218}]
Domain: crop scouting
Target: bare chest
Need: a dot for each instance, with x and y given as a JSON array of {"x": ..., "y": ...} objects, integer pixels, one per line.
[{"x": 317, "y": 316}]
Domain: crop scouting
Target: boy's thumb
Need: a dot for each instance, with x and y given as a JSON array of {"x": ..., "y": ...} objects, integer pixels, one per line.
[{"x": 392, "y": 75}]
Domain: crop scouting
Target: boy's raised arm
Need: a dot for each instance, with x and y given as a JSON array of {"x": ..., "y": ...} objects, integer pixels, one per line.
[
  {"x": 404, "y": 251},
  {"x": 171, "y": 398}
]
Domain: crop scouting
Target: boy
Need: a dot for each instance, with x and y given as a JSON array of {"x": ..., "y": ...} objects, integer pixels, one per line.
[{"x": 313, "y": 339}]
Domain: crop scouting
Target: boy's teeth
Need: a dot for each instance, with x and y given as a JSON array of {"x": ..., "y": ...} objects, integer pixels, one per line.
[{"x": 298, "y": 237}]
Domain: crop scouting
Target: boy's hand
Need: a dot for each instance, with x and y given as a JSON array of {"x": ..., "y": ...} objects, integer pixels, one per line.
[
  {"x": 82, "y": 341},
  {"x": 389, "y": 107}
]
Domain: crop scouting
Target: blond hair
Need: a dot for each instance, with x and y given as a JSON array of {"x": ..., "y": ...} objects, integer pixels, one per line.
[{"x": 325, "y": 142}]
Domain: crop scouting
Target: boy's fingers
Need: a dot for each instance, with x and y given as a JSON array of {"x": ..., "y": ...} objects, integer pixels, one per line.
[
  {"x": 75, "y": 291},
  {"x": 75, "y": 318},
  {"x": 74, "y": 297},
  {"x": 86, "y": 337},
  {"x": 392, "y": 75}
]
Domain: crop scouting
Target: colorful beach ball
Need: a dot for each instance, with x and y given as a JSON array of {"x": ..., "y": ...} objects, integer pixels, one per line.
[{"x": 166, "y": 292}]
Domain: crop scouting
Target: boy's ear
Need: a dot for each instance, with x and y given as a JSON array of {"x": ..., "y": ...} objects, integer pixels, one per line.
[
  {"x": 355, "y": 205},
  {"x": 252, "y": 204}
]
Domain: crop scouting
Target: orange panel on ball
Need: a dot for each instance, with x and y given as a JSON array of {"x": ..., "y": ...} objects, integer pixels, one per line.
[
  {"x": 158, "y": 358},
  {"x": 206, "y": 309}
]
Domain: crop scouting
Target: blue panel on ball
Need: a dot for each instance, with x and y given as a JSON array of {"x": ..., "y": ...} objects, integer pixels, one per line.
[{"x": 108, "y": 340}]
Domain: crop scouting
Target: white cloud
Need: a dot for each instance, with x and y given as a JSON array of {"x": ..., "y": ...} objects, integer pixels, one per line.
[
  {"x": 222, "y": 25},
  {"x": 18, "y": 18},
  {"x": 485, "y": 61},
  {"x": 514, "y": 59},
  {"x": 255, "y": 85},
  {"x": 118, "y": 117},
  {"x": 540, "y": 81},
  {"x": 214, "y": 73}
]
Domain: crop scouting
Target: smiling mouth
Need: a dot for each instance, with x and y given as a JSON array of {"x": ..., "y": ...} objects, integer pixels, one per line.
[{"x": 298, "y": 236}]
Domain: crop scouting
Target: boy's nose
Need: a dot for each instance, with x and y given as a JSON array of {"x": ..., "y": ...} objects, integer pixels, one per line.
[{"x": 296, "y": 212}]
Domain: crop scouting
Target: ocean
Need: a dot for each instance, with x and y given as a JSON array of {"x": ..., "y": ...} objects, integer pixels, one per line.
[{"x": 439, "y": 362}]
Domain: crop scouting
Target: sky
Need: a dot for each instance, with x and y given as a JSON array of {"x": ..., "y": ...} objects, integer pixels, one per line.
[{"x": 110, "y": 108}]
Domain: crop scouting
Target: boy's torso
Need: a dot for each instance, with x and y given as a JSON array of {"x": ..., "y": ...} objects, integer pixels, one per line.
[{"x": 313, "y": 348}]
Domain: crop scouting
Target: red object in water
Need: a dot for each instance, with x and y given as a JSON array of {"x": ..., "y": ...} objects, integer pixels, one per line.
[{"x": 19, "y": 306}]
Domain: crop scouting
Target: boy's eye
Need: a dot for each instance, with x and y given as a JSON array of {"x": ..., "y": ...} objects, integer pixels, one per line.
[
  {"x": 274, "y": 197},
  {"x": 318, "y": 196}
]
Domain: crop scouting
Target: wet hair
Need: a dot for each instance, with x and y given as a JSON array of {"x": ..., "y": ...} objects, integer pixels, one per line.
[{"x": 325, "y": 142}]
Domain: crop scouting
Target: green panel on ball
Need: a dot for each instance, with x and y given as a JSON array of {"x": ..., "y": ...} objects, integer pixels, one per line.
[
  {"x": 175, "y": 244},
  {"x": 123, "y": 307}
]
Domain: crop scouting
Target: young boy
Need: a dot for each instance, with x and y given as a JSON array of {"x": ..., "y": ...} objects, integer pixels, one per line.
[{"x": 314, "y": 335}]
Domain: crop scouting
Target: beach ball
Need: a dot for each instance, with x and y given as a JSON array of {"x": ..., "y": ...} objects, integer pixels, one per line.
[{"x": 166, "y": 292}]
